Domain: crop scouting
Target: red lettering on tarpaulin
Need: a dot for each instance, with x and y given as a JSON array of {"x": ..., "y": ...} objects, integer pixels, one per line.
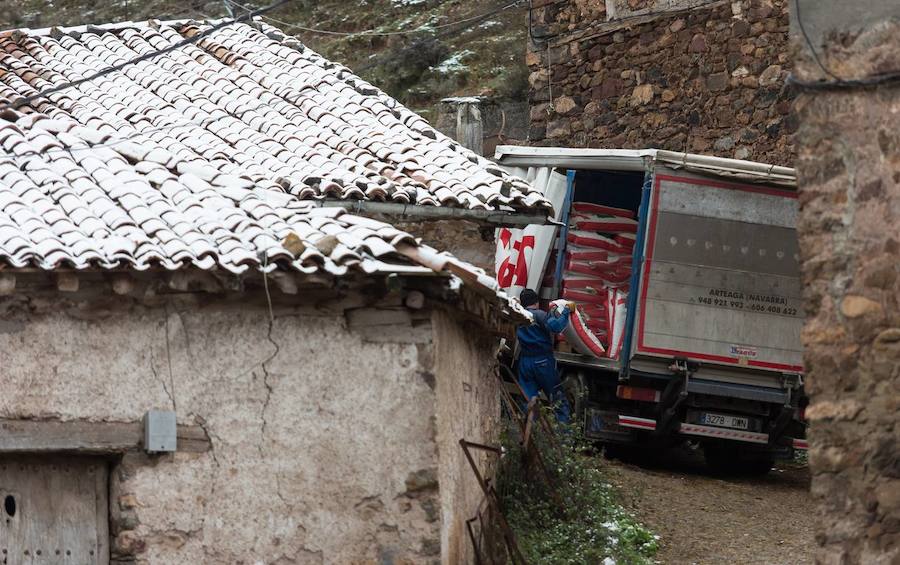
[
  {"x": 509, "y": 273},
  {"x": 522, "y": 263},
  {"x": 505, "y": 269}
]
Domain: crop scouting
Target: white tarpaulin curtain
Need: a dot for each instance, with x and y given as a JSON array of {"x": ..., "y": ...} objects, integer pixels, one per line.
[{"x": 522, "y": 254}]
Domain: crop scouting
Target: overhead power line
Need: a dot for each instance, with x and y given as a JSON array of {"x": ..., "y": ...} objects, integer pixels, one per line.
[
  {"x": 836, "y": 82},
  {"x": 146, "y": 57},
  {"x": 419, "y": 29}
]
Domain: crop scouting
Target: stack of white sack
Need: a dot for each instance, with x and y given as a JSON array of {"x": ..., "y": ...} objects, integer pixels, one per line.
[{"x": 597, "y": 270}]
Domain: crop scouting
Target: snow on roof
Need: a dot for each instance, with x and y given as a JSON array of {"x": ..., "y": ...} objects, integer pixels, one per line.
[
  {"x": 246, "y": 101},
  {"x": 80, "y": 189}
]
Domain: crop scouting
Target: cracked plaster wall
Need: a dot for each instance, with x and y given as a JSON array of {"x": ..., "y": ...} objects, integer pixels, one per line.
[
  {"x": 324, "y": 445},
  {"x": 464, "y": 367}
]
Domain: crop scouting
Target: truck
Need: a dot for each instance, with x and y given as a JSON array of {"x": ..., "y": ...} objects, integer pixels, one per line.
[{"x": 710, "y": 348}]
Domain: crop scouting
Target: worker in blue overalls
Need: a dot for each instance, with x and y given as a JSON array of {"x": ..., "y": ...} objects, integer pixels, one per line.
[{"x": 537, "y": 365}]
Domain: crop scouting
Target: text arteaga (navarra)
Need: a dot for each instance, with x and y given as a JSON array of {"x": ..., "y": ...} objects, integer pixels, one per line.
[{"x": 738, "y": 300}]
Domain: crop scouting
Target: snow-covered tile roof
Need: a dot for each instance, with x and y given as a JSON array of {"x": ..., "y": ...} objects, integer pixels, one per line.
[{"x": 245, "y": 108}]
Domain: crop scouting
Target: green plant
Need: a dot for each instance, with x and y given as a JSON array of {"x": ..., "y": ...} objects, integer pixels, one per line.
[
  {"x": 402, "y": 67},
  {"x": 565, "y": 512}
]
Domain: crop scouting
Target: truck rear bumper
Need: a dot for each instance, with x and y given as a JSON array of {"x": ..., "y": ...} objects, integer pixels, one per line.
[{"x": 685, "y": 428}]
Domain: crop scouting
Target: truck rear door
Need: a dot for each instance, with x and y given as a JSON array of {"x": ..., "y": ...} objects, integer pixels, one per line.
[{"x": 720, "y": 281}]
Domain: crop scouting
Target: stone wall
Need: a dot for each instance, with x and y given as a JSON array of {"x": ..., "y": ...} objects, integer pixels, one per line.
[
  {"x": 849, "y": 170},
  {"x": 661, "y": 73},
  {"x": 466, "y": 240},
  {"x": 326, "y": 425}
]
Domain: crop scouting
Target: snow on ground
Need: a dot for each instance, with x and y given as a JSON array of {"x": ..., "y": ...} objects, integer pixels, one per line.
[{"x": 454, "y": 63}]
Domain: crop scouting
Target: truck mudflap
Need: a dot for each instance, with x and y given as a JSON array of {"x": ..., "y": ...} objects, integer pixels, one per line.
[
  {"x": 605, "y": 425},
  {"x": 685, "y": 428}
]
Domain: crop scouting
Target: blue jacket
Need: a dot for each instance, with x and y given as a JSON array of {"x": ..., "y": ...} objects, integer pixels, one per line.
[{"x": 536, "y": 340}]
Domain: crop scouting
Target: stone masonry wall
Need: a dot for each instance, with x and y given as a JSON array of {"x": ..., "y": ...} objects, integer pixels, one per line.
[
  {"x": 323, "y": 424},
  {"x": 849, "y": 171},
  {"x": 466, "y": 240},
  {"x": 641, "y": 73}
]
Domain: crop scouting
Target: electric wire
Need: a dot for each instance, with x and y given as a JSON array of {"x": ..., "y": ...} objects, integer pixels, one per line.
[
  {"x": 836, "y": 82},
  {"x": 187, "y": 41}
]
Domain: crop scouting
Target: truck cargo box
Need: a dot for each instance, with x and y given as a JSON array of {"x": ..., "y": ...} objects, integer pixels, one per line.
[
  {"x": 714, "y": 260},
  {"x": 720, "y": 280}
]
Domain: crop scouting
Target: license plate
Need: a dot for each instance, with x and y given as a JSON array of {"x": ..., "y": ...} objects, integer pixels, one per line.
[{"x": 725, "y": 421}]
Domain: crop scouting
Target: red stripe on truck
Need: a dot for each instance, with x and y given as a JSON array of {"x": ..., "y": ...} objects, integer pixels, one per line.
[{"x": 635, "y": 422}]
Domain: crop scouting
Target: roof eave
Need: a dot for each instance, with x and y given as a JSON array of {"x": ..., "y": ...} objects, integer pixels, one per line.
[{"x": 399, "y": 211}]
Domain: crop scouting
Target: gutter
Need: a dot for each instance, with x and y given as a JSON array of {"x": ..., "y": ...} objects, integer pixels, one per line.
[{"x": 417, "y": 212}]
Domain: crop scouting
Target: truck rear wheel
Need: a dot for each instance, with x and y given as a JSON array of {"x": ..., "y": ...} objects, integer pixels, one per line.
[{"x": 575, "y": 388}]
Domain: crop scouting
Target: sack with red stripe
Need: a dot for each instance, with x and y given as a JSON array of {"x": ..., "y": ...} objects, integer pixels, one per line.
[
  {"x": 584, "y": 269},
  {"x": 575, "y": 253},
  {"x": 586, "y": 296},
  {"x": 598, "y": 209},
  {"x": 595, "y": 241},
  {"x": 598, "y": 328},
  {"x": 579, "y": 335},
  {"x": 626, "y": 242},
  {"x": 587, "y": 284},
  {"x": 618, "y": 278},
  {"x": 617, "y": 306},
  {"x": 593, "y": 312},
  {"x": 598, "y": 269},
  {"x": 610, "y": 224}
]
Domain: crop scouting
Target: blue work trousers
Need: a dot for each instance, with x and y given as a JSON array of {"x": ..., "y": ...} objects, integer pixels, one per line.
[{"x": 538, "y": 374}]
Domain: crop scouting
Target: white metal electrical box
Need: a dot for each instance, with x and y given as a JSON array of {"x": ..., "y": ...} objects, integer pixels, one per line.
[{"x": 160, "y": 431}]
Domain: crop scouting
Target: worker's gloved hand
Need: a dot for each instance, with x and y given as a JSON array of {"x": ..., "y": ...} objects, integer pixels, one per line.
[{"x": 572, "y": 307}]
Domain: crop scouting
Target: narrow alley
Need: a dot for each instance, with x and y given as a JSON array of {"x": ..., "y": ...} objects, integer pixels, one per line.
[{"x": 705, "y": 520}]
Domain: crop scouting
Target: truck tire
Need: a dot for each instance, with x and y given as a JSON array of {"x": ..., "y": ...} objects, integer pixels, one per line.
[
  {"x": 727, "y": 460},
  {"x": 575, "y": 388}
]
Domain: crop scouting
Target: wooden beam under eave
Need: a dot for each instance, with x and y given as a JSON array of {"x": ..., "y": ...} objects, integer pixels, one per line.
[{"x": 89, "y": 438}]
